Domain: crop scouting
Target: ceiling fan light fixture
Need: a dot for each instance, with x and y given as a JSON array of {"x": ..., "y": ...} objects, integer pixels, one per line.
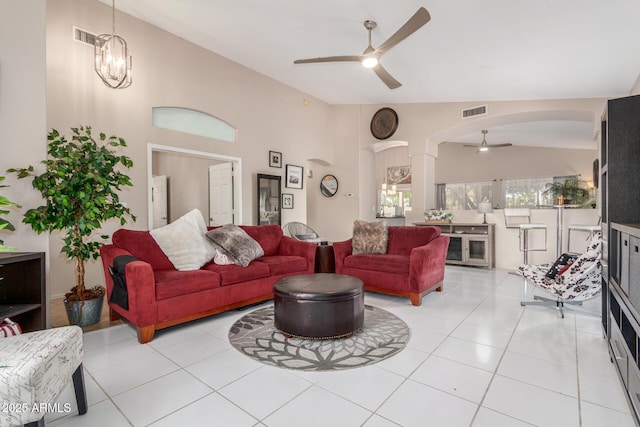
[
  {"x": 369, "y": 61},
  {"x": 483, "y": 149}
]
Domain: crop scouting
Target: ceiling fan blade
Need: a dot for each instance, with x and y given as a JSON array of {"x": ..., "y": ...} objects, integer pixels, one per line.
[
  {"x": 386, "y": 77},
  {"x": 344, "y": 58},
  {"x": 414, "y": 23},
  {"x": 472, "y": 145},
  {"x": 508, "y": 144}
]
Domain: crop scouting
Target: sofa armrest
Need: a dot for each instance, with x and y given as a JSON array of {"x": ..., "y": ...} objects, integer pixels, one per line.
[
  {"x": 341, "y": 250},
  {"x": 141, "y": 287},
  {"x": 427, "y": 263},
  {"x": 292, "y": 247}
]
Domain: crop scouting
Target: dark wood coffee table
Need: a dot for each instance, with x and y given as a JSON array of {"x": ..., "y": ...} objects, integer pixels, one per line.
[{"x": 318, "y": 306}]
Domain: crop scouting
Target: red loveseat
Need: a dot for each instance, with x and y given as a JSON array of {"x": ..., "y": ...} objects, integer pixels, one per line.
[
  {"x": 413, "y": 265},
  {"x": 160, "y": 296}
]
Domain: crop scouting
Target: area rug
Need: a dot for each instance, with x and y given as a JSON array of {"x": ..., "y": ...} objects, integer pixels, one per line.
[{"x": 382, "y": 335}]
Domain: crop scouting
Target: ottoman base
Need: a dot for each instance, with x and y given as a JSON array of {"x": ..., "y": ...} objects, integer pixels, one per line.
[{"x": 318, "y": 306}]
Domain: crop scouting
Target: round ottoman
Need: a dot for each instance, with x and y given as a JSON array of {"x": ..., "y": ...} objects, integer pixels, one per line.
[{"x": 319, "y": 306}]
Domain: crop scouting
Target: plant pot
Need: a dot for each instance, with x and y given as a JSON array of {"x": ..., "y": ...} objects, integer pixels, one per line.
[{"x": 84, "y": 313}]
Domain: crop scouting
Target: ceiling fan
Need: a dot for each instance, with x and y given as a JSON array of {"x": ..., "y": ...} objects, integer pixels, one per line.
[
  {"x": 370, "y": 58},
  {"x": 484, "y": 146}
]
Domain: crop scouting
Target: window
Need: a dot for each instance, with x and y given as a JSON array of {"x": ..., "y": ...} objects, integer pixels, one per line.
[
  {"x": 193, "y": 122},
  {"x": 520, "y": 193},
  {"x": 467, "y": 195},
  {"x": 389, "y": 198}
]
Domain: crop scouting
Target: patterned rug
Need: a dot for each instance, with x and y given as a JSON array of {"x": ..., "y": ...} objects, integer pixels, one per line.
[{"x": 382, "y": 335}]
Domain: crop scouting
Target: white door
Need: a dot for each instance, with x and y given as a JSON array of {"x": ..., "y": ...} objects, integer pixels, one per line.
[
  {"x": 221, "y": 194},
  {"x": 159, "y": 197}
]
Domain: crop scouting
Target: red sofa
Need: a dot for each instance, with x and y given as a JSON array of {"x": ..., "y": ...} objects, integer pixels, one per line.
[
  {"x": 160, "y": 296},
  {"x": 413, "y": 265}
]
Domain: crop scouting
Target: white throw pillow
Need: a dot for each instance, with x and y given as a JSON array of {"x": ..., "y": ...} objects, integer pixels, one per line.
[{"x": 184, "y": 241}]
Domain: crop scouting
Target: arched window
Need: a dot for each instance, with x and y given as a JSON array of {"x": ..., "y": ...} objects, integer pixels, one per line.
[{"x": 193, "y": 122}]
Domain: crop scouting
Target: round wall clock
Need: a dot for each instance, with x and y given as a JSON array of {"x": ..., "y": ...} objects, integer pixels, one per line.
[{"x": 384, "y": 123}]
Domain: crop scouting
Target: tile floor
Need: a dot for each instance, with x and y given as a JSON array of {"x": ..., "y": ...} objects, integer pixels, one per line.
[{"x": 475, "y": 358}]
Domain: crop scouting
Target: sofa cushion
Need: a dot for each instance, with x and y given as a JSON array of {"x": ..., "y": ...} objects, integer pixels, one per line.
[
  {"x": 403, "y": 239},
  {"x": 173, "y": 283},
  {"x": 232, "y": 273},
  {"x": 268, "y": 236},
  {"x": 282, "y": 264},
  {"x": 369, "y": 237},
  {"x": 141, "y": 245},
  {"x": 184, "y": 241},
  {"x": 384, "y": 263},
  {"x": 233, "y": 242}
]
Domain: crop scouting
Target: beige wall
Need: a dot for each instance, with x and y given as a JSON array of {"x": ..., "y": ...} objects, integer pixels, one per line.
[
  {"x": 457, "y": 163},
  {"x": 168, "y": 71}
]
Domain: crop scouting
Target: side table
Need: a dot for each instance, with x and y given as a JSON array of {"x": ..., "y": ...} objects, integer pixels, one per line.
[{"x": 325, "y": 260}]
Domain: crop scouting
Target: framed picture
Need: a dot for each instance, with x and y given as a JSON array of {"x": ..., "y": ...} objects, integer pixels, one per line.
[
  {"x": 275, "y": 159},
  {"x": 294, "y": 176},
  {"x": 287, "y": 201}
]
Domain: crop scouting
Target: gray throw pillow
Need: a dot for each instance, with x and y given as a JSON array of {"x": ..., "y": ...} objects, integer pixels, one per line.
[
  {"x": 369, "y": 237},
  {"x": 236, "y": 244}
]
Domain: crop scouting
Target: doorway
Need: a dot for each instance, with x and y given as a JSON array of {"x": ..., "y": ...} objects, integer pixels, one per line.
[{"x": 189, "y": 173}]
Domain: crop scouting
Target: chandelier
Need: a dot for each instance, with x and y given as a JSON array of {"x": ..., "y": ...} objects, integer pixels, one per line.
[{"x": 112, "y": 58}]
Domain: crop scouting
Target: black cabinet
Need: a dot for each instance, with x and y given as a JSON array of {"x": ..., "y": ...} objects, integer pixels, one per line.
[
  {"x": 22, "y": 289},
  {"x": 620, "y": 196}
]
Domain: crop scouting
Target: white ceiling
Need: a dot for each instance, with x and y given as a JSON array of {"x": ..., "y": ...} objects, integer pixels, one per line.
[{"x": 470, "y": 50}]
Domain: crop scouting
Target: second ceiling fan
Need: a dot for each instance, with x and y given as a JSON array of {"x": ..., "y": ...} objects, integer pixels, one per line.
[
  {"x": 370, "y": 58},
  {"x": 484, "y": 146}
]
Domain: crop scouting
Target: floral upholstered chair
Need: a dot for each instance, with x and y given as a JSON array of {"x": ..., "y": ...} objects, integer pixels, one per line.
[{"x": 579, "y": 281}]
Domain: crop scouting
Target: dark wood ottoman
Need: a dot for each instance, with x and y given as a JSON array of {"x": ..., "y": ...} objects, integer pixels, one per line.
[{"x": 320, "y": 306}]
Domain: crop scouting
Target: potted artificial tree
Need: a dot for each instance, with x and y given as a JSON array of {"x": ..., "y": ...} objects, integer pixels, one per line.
[
  {"x": 571, "y": 191},
  {"x": 5, "y": 224},
  {"x": 80, "y": 187}
]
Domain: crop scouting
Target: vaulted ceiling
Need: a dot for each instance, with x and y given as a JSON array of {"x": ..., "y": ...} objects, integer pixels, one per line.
[{"x": 469, "y": 51}]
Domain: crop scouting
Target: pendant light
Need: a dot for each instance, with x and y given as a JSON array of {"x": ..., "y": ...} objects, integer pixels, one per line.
[{"x": 112, "y": 58}]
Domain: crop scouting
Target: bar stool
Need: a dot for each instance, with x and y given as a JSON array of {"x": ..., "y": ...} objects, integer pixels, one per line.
[
  {"x": 591, "y": 229},
  {"x": 35, "y": 367},
  {"x": 520, "y": 218}
]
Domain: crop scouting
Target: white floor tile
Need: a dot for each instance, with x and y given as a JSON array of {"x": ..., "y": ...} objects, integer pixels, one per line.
[
  {"x": 213, "y": 409},
  {"x": 367, "y": 387},
  {"x": 103, "y": 414},
  {"x": 531, "y": 404},
  {"x": 133, "y": 373},
  {"x": 415, "y": 404},
  {"x": 597, "y": 416},
  {"x": 483, "y": 334},
  {"x": 470, "y": 353},
  {"x": 405, "y": 362},
  {"x": 223, "y": 368},
  {"x": 317, "y": 407},
  {"x": 551, "y": 376},
  {"x": 159, "y": 398},
  {"x": 190, "y": 375},
  {"x": 194, "y": 349},
  {"x": 454, "y": 378},
  {"x": 488, "y": 418},
  {"x": 263, "y": 391}
]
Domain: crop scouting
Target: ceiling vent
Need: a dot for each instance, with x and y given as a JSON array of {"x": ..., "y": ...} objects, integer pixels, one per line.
[
  {"x": 84, "y": 36},
  {"x": 474, "y": 111}
]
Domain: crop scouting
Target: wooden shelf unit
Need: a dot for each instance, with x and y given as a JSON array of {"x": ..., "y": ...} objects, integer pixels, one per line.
[
  {"x": 470, "y": 244},
  {"x": 23, "y": 290}
]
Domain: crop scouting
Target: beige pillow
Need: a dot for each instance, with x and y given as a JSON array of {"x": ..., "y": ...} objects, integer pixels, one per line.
[
  {"x": 369, "y": 237},
  {"x": 184, "y": 241}
]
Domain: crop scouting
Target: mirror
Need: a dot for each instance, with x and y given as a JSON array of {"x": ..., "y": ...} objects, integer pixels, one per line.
[
  {"x": 268, "y": 199},
  {"x": 329, "y": 185}
]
